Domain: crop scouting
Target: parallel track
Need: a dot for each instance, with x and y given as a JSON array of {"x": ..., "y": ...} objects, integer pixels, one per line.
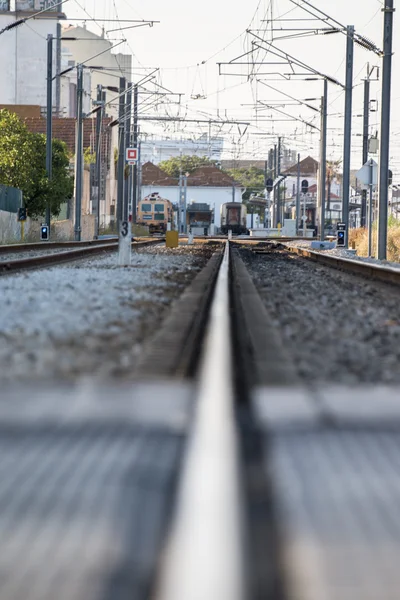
[
  {"x": 358, "y": 267},
  {"x": 57, "y": 258}
]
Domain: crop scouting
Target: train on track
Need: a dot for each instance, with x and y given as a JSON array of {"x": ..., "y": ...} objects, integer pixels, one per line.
[
  {"x": 234, "y": 218},
  {"x": 155, "y": 213}
]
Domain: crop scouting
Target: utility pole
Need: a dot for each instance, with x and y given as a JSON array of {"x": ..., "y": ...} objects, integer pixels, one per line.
[
  {"x": 275, "y": 190},
  {"x": 58, "y": 70},
  {"x": 99, "y": 119},
  {"x": 127, "y": 145},
  {"x": 385, "y": 130},
  {"x": 278, "y": 204},
  {"x": 49, "y": 119},
  {"x": 121, "y": 151},
  {"x": 365, "y": 143},
  {"x": 79, "y": 154},
  {"x": 185, "y": 203},
  {"x": 347, "y": 128},
  {"x": 371, "y": 206},
  {"x": 271, "y": 163},
  {"x": 298, "y": 220},
  {"x": 136, "y": 190},
  {"x": 322, "y": 166}
]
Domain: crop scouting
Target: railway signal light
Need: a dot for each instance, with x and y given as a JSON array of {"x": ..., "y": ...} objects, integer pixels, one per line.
[
  {"x": 270, "y": 185},
  {"x": 304, "y": 186},
  {"x": 340, "y": 238},
  {"x": 45, "y": 233},
  {"x": 22, "y": 214},
  {"x": 341, "y": 235}
]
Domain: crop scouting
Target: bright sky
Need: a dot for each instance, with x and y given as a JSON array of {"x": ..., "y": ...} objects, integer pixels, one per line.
[{"x": 192, "y": 37}]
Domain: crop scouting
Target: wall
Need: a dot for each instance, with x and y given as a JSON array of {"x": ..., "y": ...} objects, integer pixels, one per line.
[
  {"x": 64, "y": 230},
  {"x": 23, "y": 70},
  {"x": 156, "y": 151},
  {"x": 214, "y": 196},
  {"x": 10, "y": 229},
  {"x": 68, "y": 82},
  {"x": 81, "y": 50}
]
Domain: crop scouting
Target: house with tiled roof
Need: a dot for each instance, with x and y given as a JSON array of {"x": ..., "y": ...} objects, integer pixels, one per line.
[
  {"x": 152, "y": 175},
  {"x": 65, "y": 130},
  {"x": 207, "y": 185}
]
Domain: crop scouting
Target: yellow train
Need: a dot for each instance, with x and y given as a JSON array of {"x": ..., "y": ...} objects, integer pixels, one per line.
[{"x": 155, "y": 213}]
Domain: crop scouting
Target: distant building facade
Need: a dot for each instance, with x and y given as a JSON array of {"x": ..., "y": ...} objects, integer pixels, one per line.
[
  {"x": 113, "y": 65},
  {"x": 156, "y": 150},
  {"x": 207, "y": 185},
  {"x": 23, "y": 70}
]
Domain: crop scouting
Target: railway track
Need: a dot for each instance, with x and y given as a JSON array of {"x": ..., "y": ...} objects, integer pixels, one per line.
[
  {"x": 220, "y": 473},
  {"x": 69, "y": 251}
]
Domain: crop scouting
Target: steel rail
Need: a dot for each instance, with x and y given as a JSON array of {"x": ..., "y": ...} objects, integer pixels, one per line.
[
  {"x": 203, "y": 559},
  {"x": 371, "y": 270},
  {"x": 26, "y": 247},
  {"x": 37, "y": 262}
]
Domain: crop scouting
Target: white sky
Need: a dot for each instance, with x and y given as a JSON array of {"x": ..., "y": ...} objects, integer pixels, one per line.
[{"x": 214, "y": 31}]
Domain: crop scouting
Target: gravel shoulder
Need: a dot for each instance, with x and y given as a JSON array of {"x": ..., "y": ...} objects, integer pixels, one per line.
[
  {"x": 338, "y": 328},
  {"x": 342, "y": 253},
  {"x": 89, "y": 318}
]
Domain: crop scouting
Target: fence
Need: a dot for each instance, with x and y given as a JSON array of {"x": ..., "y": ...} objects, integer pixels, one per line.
[{"x": 10, "y": 199}]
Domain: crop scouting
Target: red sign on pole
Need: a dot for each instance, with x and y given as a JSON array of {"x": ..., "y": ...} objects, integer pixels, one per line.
[{"x": 131, "y": 155}]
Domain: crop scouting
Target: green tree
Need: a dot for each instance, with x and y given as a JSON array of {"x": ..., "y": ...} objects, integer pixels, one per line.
[
  {"x": 89, "y": 157},
  {"x": 184, "y": 164},
  {"x": 250, "y": 178},
  {"x": 23, "y": 165}
]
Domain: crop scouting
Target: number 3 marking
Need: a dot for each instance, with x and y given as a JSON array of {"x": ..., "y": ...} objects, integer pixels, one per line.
[{"x": 124, "y": 228}]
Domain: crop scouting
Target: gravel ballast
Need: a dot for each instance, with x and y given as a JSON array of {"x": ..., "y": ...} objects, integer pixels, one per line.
[
  {"x": 89, "y": 318},
  {"x": 338, "y": 328}
]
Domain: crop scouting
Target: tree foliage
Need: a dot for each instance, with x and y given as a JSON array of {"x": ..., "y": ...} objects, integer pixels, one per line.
[
  {"x": 23, "y": 165},
  {"x": 251, "y": 178},
  {"x": 184, "y": 164}
]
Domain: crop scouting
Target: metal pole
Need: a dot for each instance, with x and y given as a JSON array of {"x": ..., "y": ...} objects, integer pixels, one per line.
[
  {"x": 99, "y": 118},
  {"x": 322, "y": 167},
  {"x": 49, "y": 119},
  {"x": 278, "y": 204},
  {"x": 139, "y": 174},
  {"x": 304, "y": 214},
  {"x": 275, "y": 191},
  {"x": 79, "y": 155},
  {"x": 127, "y": 144},
  {"x": 298, "y": 219},
  {"x": 135, "y": 144},
  {"x": 270, "y": 163},
  {"x": 184, "y": 204},
  {"x": 365, "y": 146},
  {"x": 121, "y": 151},
  {"x": 385, "y": 130},
  {"x": 371, "y": 208},
  {"x": 180, "y": 202},
  {"x": 58, "y": 70},
  {"x": 347, "y": 128}
]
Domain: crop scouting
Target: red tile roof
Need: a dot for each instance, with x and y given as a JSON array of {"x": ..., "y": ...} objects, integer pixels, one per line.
[
  {"x": 153, "y": 175},
  {"x": 210, "y": 176},
  {"x": 308, "y": 166},
  {"x": 65, "y": 129},
  {"x": 203, "y": 176}
]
